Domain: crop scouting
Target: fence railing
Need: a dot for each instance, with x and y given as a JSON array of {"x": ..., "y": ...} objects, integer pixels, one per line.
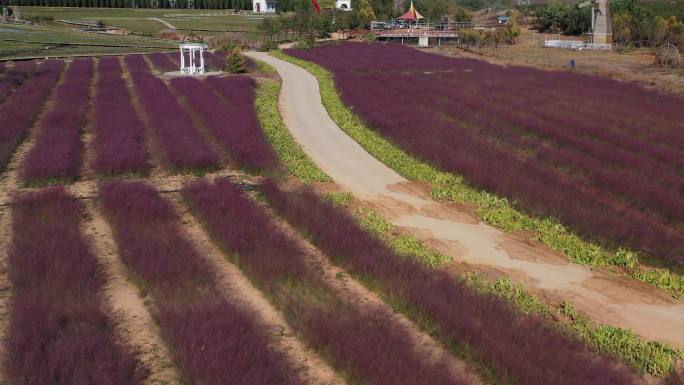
[{"x": 575, "y": 44}]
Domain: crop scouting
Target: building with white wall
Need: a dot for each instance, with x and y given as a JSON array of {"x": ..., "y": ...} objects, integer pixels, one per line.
[
  {"x": 344, "y": 5},
  {"x": 264, "y": 6}
]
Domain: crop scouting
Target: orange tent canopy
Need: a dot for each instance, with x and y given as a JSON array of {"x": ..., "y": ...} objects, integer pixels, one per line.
[{"x": 411, "y": 14}]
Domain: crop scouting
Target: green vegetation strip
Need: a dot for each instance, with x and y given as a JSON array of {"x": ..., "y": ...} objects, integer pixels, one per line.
[
  {"x": 286, "y": 148},
  {"x": 494, "y": 210},
  {"x": 655, "y": 358}
]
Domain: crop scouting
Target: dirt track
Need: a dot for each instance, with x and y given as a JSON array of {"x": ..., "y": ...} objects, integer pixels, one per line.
[{"x": 453, "y": 230}]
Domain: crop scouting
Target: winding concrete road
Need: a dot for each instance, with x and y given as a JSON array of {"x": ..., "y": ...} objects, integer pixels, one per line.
[
  {"x": 454, "y": 231},
  {"x": 166, "y": 23}
]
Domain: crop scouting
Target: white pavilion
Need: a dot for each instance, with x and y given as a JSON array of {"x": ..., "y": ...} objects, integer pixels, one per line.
[{"x": 192, "y": 58}]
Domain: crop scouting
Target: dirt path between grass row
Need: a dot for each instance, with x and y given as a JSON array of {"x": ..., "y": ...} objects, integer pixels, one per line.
[
  {"x": 457, "y": 232},
  {"x": 239, "y": 290},
  {"x": 125, "y": 306}
]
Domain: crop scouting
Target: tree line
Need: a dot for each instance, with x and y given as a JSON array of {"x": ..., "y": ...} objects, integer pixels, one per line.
[
  {"x": 632, "y": 24},
  {"x": 179, "y": 4}
]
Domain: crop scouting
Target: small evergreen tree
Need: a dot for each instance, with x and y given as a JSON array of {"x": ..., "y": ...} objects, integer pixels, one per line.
[{"x": 235, "y": 62}]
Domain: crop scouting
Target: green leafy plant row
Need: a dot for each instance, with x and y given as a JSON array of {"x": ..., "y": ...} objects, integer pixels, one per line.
[
  {"x": 655, "y": 358},
  {"x": 492, "y": 209},
  {"x": 286, "y": 148}
]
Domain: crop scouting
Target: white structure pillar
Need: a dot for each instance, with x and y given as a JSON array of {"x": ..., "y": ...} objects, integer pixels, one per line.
[{"x": 192, "y": 49}]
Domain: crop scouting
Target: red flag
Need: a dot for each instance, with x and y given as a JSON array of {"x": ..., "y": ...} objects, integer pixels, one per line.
[{"x": 318, "y": 7}]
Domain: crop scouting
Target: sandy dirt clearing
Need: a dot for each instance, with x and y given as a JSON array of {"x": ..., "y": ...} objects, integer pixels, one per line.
[{"x": 456, "y": 232}]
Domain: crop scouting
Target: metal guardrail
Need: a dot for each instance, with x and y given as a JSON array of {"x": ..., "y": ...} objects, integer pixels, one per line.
[{"x": 576, "y": 44}]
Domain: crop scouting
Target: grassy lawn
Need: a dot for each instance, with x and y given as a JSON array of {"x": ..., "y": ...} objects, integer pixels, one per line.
[
  {"x": 45, "y": 35},
  {"x": 137, "y": 20}
]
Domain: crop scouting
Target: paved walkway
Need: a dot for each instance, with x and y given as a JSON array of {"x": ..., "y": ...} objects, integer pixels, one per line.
[
  {"x": 616, "y": 301},
  {"x": 166, "y": 23}
]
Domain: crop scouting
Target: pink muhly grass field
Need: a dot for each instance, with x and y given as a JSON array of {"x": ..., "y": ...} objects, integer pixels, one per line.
[
  {"x": 119, "y": 143},
  {"x": 361, "y": 342},
  {"x": 22, "y": 107},
  {"x": 520, "y": 348},
  {"x": 14, "y": 77},
  {"x": 57, "y": 332},
  {"x": 212, "y": 341},
  {"x": 603, "y": 157},
  {"x": 56, "y": 153},
  {"x": 180, "y": 141},
  {"x": 231, "y": 116}
]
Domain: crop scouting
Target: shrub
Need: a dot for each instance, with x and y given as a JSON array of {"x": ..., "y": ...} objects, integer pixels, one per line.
[{"x": 235, "y": 62}]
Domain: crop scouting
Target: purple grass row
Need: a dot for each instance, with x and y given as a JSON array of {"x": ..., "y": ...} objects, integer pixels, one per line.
[
  {"x": 215, "y": 61},
  {"x": 163, "y": 62},
  {"x": 180, "y": 141},
  {"x": 361, "y": 342},
  {"x": 613, "y": 173},
  {"x": 14, "y": 77},
  {"x": 520, "y": 348},
  {"x": 119, "y": 143},
  {"x": 235, "y": 124},
  {"x": 22, "y": 108},
  {"x": 58, "y": 333},
  {"x": 212, "y": 341},
  {"x": 56, "y": 153}
]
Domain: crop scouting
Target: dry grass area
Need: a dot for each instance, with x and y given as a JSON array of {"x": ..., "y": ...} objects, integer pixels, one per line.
[{"x": 636, "y": 66}]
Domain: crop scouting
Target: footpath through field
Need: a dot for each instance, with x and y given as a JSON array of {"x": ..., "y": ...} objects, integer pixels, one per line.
[{"x": 456, "y": 232}]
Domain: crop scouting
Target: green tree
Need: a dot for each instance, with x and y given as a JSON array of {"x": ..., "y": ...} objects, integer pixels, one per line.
[{"x": 366, "y": 12}]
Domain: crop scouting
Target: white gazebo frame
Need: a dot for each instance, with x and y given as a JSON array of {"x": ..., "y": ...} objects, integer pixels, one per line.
[{"x": 191, "y": 49}]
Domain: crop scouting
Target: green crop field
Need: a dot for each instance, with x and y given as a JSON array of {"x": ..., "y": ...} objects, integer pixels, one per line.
[
  {"x": 21, "y": 41},
  {"x": 140, "y": 21}
]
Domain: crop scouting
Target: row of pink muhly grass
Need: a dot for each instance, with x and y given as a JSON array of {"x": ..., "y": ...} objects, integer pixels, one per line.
[
  {"x": 612, "y": 174},
  {"x": 163, "y": 62},
  {"x": 20, "y": 110},
  {"x": 14, "y": 77},
  {"x": 119, "y": 142},
  {"x": 361, "y": 342},
  {"x": 213, "y": 341},
  {"x": 231, "y": 117},
  {"x": 521, "y": 349},
  {"x": 180, "y": 141},
  {"x": 56, "y": 153},
  {"x": 57, "y": 332}
]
